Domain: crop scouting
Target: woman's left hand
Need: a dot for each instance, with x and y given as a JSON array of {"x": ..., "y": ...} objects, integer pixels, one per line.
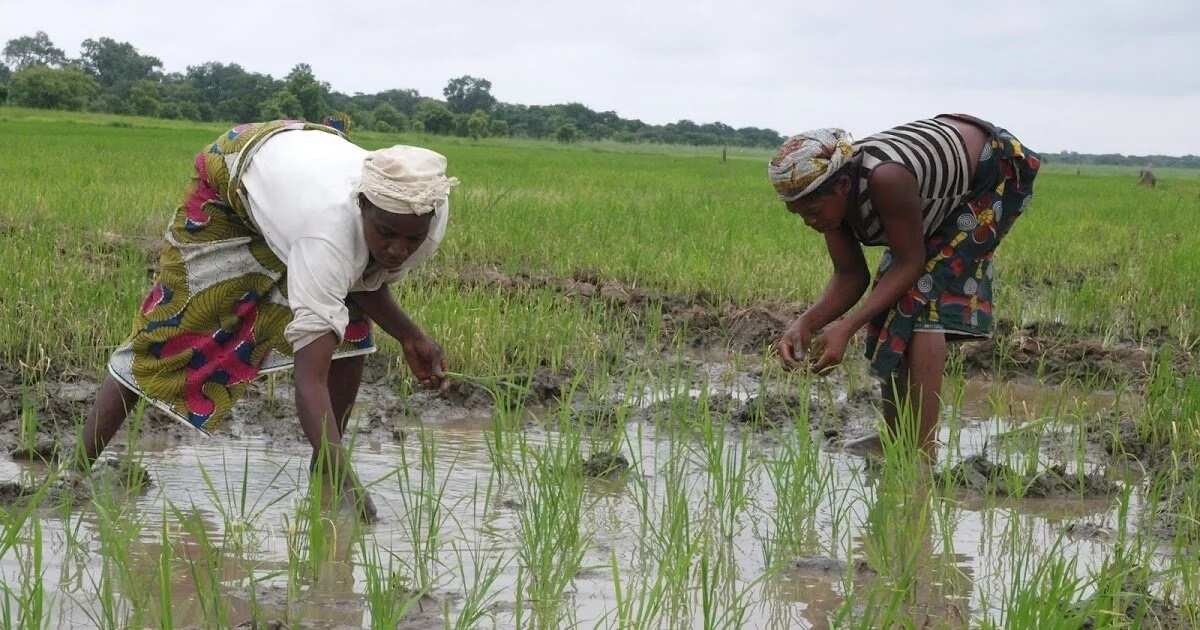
[
  {"x": 830, "y": 345},
  {"x": 426, "y": 360}
]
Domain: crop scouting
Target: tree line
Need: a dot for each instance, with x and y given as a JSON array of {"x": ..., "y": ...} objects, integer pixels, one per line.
[
  {"x": 1118, "y": 159},
  {"x": 115, "y": 77}
]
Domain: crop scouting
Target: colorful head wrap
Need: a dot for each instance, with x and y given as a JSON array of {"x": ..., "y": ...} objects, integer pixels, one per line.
[{"x": 806, "y": 160}]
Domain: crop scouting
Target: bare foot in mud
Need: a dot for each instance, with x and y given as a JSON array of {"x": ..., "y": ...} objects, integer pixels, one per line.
[
  {"x": 367, "y": 511},
  {"x": 869, "y": 446}
]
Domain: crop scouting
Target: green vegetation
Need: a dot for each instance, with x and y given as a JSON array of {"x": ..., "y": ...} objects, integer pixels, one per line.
[
  {"x": 114, "y": 77},
  {"x": 625, "y": 272}
]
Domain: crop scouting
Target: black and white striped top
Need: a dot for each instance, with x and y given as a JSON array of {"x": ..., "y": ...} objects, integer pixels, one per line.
[{"x": 936, "y": 154}]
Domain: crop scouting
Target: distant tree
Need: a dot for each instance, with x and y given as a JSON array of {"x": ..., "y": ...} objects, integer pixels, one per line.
[
  {"x": 499, "y": 129},
  {"x": 435, "y": 118},
  {"x": 467, "y": 94},
  {"x": 5, "y": 75},
  {"x": 113, "y": 63},
  {"x": 308, "y": 90},
  {"x": 190, "y": 110},
  {"x": 477, "y": 125},
  {"x": 405, "y": 101},
  {"x": 227, "y": 92},
  {"x": 384, "y": 126},
  {"x": 282, "y": 105},
  {"x": 144, "y": 98},
  {"x": 35, "y": 50},
  {"x": 566, "y": 133},
  {"x": 460, "y": 125},
  {"x": 170, "y": 110},
  {"x": 52, "y": 88},
  {"x": 386, "y": 113}
]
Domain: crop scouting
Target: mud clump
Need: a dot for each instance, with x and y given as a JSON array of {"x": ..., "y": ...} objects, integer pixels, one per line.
[
  {"x": 1089, "y": 531},
  {"x": 1141, "y": 610},
  {"x": 688, "y": 408},
  {"x": 58, "y": 407},
  {"x": 44, "y": 449},
  {"x": 123, "y": 473},
  {"x": 979, "y": 474},
  {"x": 824, "y": 565},
  {"x": 12, "y": 492},
  {"x": 605, "y": 465},
  {"x": 1124, "y": 439},
  {"x": 1057, "y": 355},
  {"x": 771, "y": 409},
  {"x": 541, "y": 387},
  {"x": 468, "y": 394}
]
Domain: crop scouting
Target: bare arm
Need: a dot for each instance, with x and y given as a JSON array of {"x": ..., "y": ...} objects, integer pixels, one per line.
[
  {"x": 849, "y": 281},
  {"x": 312, "y": 391},
  {"x": 895, "y": 195},
  {"x": 319, "y": 424},
  {"x": 381, "y": 306},
  {"x": 423, "y": 355}
]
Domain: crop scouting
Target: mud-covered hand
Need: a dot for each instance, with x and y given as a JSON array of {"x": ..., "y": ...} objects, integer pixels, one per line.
[
  {"x": 426, "y": 360},
  {"x": 794, "y": 345},
  {"x": 829, "y": 348}
]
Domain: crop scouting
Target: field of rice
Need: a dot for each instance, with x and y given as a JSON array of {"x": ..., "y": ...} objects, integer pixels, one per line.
[{"x": 619, "y": 448}]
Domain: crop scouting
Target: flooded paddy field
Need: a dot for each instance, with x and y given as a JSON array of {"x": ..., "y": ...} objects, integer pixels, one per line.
[
  {"x": 697, "y": 489},
  {"x": 618, "y": 448}
]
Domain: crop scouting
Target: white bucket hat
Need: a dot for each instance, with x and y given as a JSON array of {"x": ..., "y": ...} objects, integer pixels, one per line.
[{"x": 406, "y": 180}]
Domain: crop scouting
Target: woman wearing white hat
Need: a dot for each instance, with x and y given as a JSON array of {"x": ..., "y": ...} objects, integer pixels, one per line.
[{"x": 281, "y": 256}]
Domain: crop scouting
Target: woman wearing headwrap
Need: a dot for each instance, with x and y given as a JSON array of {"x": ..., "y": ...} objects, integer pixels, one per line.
[
  {"x": 940, "y": 194},
  {"x": 281, "y": 255}
]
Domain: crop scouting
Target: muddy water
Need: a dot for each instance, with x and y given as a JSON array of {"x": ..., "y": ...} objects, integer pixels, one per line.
[{"x": 965, "y": 548}]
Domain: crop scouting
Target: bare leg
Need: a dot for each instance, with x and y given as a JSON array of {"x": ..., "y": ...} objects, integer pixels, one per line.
[
  {"x": 108, "y": 413},
  {"x": 927, "y": 365},
  {"x": 891, "y": 393},
  {"x": 345, "y": 375}
]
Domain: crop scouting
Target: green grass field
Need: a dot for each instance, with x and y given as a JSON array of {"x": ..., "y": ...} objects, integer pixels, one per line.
[{"x": 706, "y": 527}]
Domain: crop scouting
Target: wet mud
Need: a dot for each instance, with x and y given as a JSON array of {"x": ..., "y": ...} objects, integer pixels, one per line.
[
  {"x": 825, "y": 566},
  {"x": 979, "y": 474},
  {"x": 1141, "y": 609},
  {"x": 1048, "y": 351},
  {"x": 605, "y": 465}
]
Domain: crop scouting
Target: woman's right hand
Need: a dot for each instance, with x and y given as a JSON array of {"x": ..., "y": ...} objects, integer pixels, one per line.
[{"x": 795, "y": 343}]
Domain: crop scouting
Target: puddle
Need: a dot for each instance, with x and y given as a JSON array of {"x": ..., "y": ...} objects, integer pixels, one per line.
[{"x": 629, "y": 480}]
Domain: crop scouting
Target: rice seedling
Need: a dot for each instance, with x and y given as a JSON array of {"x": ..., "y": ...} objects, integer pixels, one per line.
[
  {"x": 635, "y": 271},
  {"x": 553, "y": 538},
  {"x": 423, "y": 514}
]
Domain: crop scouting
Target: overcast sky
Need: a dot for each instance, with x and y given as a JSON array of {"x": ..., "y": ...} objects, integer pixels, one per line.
[{"x": 1091, "y": 76}]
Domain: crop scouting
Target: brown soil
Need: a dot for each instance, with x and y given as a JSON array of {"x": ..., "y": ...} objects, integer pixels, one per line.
[
  {"x": 824, "y": 565},
  {"x": 1120, "y": 437},
  {"x": 11, "y": 492},
  {"x": 1142, "y": 610},
  {"x": 979, "y": 474},
  {"x": 1085, "y": 530},
  {"x": 1058, "y": 358},
  {"x": 1050, "y": 351},
  {"x": 45, "y": 449},
  {"x": 605, "y": 465}
]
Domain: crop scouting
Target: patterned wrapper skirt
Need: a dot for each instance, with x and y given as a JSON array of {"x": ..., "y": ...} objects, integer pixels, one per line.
[
  {"x": 215, "y": 315},
  {"x": 954, "y": 294}
]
